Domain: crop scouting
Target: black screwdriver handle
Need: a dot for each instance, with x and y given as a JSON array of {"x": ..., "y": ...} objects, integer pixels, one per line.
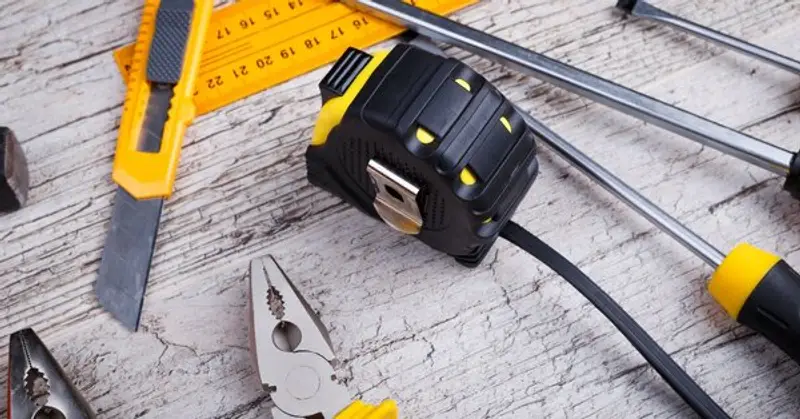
[{"x": 773, "y": 309}]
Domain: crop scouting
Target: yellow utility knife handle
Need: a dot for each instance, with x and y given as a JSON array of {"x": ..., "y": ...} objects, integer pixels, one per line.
[
  {"x": 167, "y": 28},
  {"x": 361, "y": 410}
]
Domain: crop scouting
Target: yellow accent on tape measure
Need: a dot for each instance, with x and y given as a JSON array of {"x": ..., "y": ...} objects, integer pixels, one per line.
[
  {"x": 505, "y": 123},
  {"x": 424, "y": 136},
  {"x": 465, "y": 84},
  {"x": 253, "y": 45},
  {"x": 333, "y": 111},
  {"x": 467, "y": 177}
]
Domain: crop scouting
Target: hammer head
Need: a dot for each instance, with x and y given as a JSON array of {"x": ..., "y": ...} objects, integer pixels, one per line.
[
  {"x": 627, "y": 5},
  {"x": 13, "y": 173}
]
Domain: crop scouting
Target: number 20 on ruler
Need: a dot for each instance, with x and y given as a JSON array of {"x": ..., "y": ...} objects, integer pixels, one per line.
[{"x": 285, "y": 52}]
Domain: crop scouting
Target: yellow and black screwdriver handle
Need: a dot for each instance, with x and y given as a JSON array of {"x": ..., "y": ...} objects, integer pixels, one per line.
[
  {"x": 762, "y": 292},
  {"x": 425, "y": 144},
  {"x": 159, "y": 101}
]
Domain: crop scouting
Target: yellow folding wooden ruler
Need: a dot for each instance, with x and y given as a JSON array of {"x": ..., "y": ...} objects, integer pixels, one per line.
[{"x": 255, "y": 44}]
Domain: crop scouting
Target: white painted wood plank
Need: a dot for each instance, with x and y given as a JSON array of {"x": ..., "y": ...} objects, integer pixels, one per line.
[{"x": 507, "y": 339}]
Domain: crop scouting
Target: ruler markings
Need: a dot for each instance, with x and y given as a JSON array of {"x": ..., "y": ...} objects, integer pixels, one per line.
[{"x": 253, "y": 46}]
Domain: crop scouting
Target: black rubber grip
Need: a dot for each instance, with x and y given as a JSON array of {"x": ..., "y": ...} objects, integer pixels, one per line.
[
  {"x": 792, "y": 184},
  {"x": 773, "y": 309},
  {"x": 343, "y": 73},
  {"x": 173, "y": 23}
]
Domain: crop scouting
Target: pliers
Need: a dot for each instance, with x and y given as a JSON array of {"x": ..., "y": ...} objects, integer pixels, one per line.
[
  {"x": 37, "y": 386},
  {"x": 294, "y": 355}
]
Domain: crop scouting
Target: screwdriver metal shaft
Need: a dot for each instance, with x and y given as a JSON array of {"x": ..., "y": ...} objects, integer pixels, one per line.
[
  {"x": 625, "y": 193},
  {"x": 644, "y": 10},
  {"x": 681, "y": 122}
]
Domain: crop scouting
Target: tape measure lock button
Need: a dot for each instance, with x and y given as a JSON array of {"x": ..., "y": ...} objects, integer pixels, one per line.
[{"x": 343, "y": 73}]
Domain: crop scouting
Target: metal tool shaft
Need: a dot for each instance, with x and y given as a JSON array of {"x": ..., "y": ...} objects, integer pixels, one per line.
[
  {"x": 626, "y": 194},
  {"x": 647, "y": 11},
  {"x": 727, "y": 140}
]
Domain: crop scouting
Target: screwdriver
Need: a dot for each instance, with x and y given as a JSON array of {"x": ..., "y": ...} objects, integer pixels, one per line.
[
  {"x": 752, "y": 150},
  {"x": 755, "y": 287},
  {"x": 644, "y": 10}
]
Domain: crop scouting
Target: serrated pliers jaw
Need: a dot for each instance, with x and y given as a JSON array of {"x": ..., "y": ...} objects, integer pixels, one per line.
[
  {"x": 294, "y": 356},
  {"x": 37, "y": 385}
]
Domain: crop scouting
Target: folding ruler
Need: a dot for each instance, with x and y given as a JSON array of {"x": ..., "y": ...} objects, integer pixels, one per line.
[{"x": 253, "y": 45}]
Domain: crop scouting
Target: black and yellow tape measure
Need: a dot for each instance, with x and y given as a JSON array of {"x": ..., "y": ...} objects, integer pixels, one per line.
[{"x": 424, "y": 143}]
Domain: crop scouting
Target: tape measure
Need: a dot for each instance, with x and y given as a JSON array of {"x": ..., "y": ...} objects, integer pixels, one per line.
[
  {"x": 254, "y": 44},
  {"x": 425, "y": 144}
]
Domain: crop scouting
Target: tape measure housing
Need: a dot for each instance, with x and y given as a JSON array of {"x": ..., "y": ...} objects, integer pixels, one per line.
[{"x": 440, "y": 128}]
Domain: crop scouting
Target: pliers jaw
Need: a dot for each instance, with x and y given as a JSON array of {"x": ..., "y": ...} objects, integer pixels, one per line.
[
  {"x": 294, "y": 356},
  {"x": 37, "y": 385}
]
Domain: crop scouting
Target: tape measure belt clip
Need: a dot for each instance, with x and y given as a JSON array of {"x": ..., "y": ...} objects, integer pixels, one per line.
[{"x": 412, "y": 125}]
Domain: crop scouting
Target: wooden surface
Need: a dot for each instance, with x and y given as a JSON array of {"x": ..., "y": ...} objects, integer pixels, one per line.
[{"x": 508, "y": 339}]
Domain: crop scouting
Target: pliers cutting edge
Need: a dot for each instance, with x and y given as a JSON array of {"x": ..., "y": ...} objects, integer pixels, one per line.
[
  {"x": 37, "y": 386},
  {"x": 294, "y": 355}
]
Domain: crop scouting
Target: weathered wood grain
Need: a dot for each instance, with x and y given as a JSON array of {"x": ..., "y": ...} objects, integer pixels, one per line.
[{"x": 507, "y": 339}]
